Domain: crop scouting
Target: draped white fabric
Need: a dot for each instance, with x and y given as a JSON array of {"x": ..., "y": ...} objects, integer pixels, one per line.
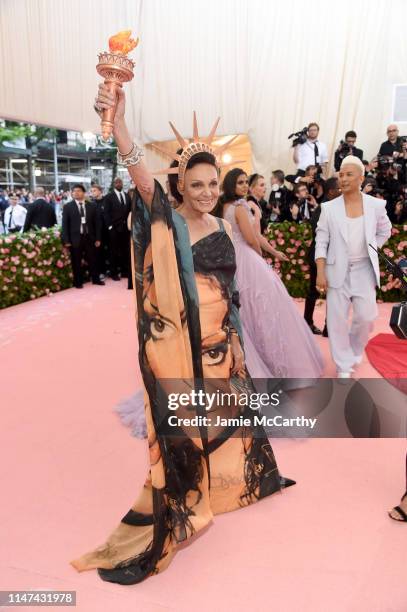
[{"x": 267, "y": 67}]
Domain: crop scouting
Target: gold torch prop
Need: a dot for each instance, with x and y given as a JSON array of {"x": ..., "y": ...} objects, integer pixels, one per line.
[{"x": 116, "y": 68}]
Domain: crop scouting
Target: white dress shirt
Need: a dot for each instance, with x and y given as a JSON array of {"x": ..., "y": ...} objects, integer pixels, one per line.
[
  {"x": 78, "y": 204},
  {"x": 306, "y": 155},
  {"x": 120, "y": 195},
  {"x": 18, "y": 214}
]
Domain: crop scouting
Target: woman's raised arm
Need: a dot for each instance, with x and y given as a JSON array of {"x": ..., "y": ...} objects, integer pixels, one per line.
[{"x": 140, "y": 174}]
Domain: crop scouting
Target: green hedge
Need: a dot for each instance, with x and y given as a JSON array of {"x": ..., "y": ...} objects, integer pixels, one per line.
[
  {"x": 294, "y": 239},
  {"x": 31, "y": 265},
  {"x": 35, "y": 264}
]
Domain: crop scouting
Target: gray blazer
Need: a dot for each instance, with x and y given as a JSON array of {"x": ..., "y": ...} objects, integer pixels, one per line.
[{"x": 332, "y": 239}]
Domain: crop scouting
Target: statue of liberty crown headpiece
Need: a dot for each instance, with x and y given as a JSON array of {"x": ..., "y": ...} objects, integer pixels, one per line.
[{"x": 189, "y": 149}]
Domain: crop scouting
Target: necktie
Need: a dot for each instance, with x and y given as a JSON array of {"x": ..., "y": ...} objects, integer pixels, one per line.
[
  {"x": 316, "y": 153},
  {"x": 11, "y": 217},
  {"x": 122, "y": 198},
  {"x": 83, "y": 218}
]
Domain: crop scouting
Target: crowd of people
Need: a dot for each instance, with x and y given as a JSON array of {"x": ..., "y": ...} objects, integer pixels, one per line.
[
  {"x": 95, "y": 226},
  {"x": 295, "y": 197}
]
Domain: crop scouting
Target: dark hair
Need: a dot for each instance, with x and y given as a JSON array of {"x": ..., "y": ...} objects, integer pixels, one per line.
[
  {"x": 229, "y": 184},
  {"x": 308, "y": 168},
  {"x": 330, "y": 184},
  {"x": 279, "y": 175},
  {"x": 313, "y": 123},
  {"x": 198, "y": 158},
  {"x": 350, "y": 134},
  {"x": 78, "y": 186},
  {"x": 228, "y": 189}
]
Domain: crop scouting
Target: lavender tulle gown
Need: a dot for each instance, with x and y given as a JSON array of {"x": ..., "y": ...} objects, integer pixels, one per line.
[{"x": 277, "y": 341}]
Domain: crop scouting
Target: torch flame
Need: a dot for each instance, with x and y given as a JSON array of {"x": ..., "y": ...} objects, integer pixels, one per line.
[{"x": 122, "y": 43}]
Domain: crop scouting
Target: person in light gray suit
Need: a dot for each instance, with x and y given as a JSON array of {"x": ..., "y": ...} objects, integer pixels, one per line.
[{"x": 347, "y": 268}]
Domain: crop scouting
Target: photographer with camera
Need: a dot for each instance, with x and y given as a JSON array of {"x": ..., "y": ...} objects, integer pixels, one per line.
[
  {"x": 347, "y": 147},
  {"x": 303, "y": 204},
  {"x": 314, "y": 181},
  {"x": 278, "y": 207},
  {"x": 309, "y": 150},
  {"x": 399, "y": 215},
  {"x": 393, "y": 144},
  {"x": 389, "y": 181}
]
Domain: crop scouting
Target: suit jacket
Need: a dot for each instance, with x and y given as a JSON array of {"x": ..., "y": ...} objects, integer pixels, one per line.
[
  {"x": 314, "y": 223},
  {"x": 71, "y": 223},
  {"x": 40, "y": 213},
  {"x": 115, "y": 214},
  {"x": 331, "y": 238}
]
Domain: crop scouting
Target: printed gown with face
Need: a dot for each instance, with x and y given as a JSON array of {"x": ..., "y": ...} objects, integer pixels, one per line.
[{"x": 186, "y": 303}]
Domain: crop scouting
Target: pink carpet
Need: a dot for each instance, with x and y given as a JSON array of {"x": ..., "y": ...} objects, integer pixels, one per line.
[{"x": 70, "y": 471}]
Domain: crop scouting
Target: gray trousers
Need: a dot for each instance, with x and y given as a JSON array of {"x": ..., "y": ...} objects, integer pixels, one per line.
[{"x": 359, "y": 290}]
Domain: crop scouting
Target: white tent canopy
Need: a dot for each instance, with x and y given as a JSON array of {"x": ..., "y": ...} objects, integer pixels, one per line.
[{"x": 266, "y": 67}]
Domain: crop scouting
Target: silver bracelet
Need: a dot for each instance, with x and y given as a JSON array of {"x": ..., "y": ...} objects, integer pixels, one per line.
[{"x": 131, "y": 159}]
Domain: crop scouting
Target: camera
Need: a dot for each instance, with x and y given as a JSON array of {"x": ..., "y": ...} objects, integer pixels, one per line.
[
  {"x": 385, "y": 162},
  {"x": 344, "y": 149},
  {"x": 299, "y": 137}
]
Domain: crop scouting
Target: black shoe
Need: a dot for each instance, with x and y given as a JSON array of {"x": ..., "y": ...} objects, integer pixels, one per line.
[
  {"x": 325, "y": 332},
  {"x": 315, "y": 330},
  {"x": 115, "y": 277},
  {"x": 98, "y": 282},
  {"x": 78, "y": 286},
  {"x": 400, "y": 512}
]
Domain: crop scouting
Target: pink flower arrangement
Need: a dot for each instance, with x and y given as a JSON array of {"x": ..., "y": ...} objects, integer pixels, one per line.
[{"x": 28, "y": 262}]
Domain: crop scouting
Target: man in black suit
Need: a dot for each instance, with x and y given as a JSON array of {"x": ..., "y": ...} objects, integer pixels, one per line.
[
  {"x": 116, "y": 210},
  {"x": 102, "y": 254},
  {"x": 347, "y": 148},
  {"x": 40, "y": 213},
  {"x": 332, "y": 191},
  {"x": 81, "y": 233}
]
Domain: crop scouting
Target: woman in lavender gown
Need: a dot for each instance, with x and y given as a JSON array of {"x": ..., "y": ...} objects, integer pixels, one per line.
[{"x": 277, "y": 341}]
